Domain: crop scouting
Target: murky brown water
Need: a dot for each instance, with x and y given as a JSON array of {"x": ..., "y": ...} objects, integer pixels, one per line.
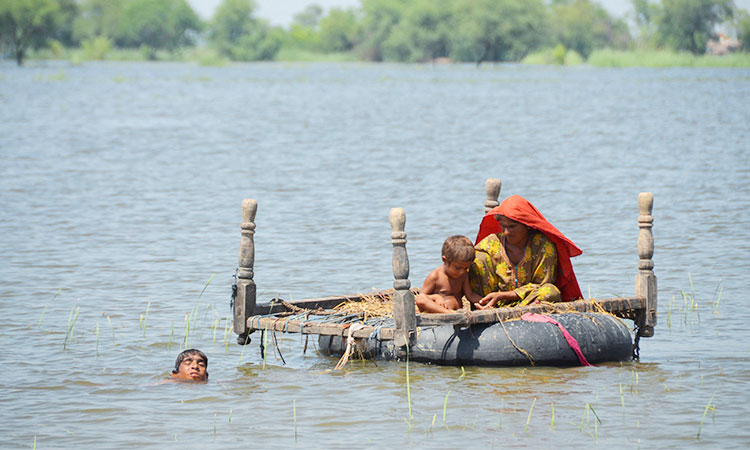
[{"x": 121, "y": 186}]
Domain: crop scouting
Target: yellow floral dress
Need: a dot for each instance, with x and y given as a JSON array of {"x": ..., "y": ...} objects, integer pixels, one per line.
[{"x": 532, "y": 279}]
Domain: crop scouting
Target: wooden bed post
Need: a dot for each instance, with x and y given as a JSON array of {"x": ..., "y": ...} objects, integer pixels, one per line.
[
  {"x": 244, "y": 302},
  {"x": 403, "y": 298},
  {"x": 492, "y": 188},
  {"x": 645, "y": 281}
]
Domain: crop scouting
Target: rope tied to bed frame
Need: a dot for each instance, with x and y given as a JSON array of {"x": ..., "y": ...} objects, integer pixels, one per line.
[{"x": 350, "y": 342}]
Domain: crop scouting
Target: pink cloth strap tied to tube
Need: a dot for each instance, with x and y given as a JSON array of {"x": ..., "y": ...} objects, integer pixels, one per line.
[{"x": 531, "y": 317}]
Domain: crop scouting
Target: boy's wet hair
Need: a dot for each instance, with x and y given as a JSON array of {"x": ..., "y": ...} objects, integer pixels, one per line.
[
  {"x": 458, "y": 248},
  {"x": 184, "y": 354}
]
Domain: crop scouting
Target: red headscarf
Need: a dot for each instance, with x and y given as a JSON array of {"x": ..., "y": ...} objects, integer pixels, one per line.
[{"x": 521, "y": 210}]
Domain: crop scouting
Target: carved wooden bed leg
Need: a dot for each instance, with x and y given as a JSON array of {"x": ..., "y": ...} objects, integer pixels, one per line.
[
  {"x": 645, "y": 281},
  {"x": 244, "y": 302},
  {"x": 403, "y": 298}
]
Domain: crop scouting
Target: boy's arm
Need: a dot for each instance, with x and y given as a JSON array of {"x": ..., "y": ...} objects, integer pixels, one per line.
[
  {"x": 428, "y": 287},
  {"x": 470, "y": 295}
]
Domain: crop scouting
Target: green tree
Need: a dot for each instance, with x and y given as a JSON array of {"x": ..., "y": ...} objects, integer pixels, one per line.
[
  {"x": 584, "y": 26},
  {"x": 157, "y": 24},
  {"x": 303, "y": 32},
  {"x": 379, "y": 17},
  {"x": 240, "y": 36},
  {"x": 423, "y": 34},
  {"x": 339, "y": 30},
  {"x": 310, "y": 17},
  {"x": 743, "y": 29},
  {"x": 644, "y": 16},
  {"x": 97, "y": 18},
  {"x": 689, "y": 24},
  {"x": 498, "y": 30},
  {"x": 68, "y": 13},
  {"x": 27, "y": 24}
]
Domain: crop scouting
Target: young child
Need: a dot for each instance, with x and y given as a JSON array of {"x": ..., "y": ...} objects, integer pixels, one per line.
[
  {"x": 444, "y": 286},
  {"x": 191, "y": 365}
]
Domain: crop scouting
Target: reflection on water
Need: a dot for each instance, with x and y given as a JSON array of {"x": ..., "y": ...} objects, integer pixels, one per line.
[{"x": 121, "y": 185}]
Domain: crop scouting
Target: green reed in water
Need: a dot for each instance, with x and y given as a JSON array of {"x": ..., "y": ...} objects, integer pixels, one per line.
[
  {"x": 585, "y": 417},
  {"x": 709, "y": 406},
  {"x": 294, "y": 415},
  {"x": 717, "y": 297},
  {"x": 408, "y": 385},
  {"x": 41, "y": 318},
  {"x": 145, "y": 319},
  {"x": 109, "y": 322},
  {"x": 244, "y": 346},
  {"x": 71, "y": 324},
  {"x": 445, "y": 402},
  {"x": 226, "y": 332},
  {"x": 195, "y": 317},
  {"x": 215, "y": 326},
  {"x": 171, "y": 333},
  {"x": 552, "y": 423},
  {"x": 528, "y": 418}
]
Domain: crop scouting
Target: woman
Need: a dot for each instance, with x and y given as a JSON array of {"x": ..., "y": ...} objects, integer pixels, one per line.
[{"x": 521, "y": 258}]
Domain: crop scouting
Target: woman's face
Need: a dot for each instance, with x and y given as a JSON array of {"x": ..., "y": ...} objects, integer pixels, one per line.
[{"x": 515, "y": 233}]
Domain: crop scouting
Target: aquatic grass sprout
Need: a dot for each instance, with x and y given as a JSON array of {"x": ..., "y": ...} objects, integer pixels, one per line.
[
  {"x": 552, "y": 407},
  {"x": 717, "y": 297},
  {"x": 41, "y": 318},
  {"x": 528, "y": 418},
  {"x": 109, "y": 322},
  {"x": 145, "y": 319},
  {"x": 709, "y": 406},
  {"x": 227, "y": 329},
  {"x": 71, "y": 324},
  {"x": 408, "y": 385},
  {"x": 244, "y": 346},
  {"x": 294, "y": 416},
  {"x": 445, "y": 402},
  {"x": 171, "y": 334}
]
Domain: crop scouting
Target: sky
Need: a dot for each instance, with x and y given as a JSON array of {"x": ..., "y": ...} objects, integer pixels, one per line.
[{"x": 281, "y": 12}]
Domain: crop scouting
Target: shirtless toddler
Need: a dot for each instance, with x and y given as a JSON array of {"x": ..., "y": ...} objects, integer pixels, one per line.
[{"x": 444, "y": 286}]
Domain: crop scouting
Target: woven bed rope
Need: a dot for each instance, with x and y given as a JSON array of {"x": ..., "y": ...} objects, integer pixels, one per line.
[{"x": 572, "y": 342}]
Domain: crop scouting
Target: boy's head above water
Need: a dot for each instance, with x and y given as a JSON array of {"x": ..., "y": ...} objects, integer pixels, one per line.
[
  {"x": 458, "y": 255},
  {"x": 191, "y": 365}
]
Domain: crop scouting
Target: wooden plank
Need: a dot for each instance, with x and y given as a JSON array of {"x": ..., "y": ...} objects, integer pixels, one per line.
[
  {"x": 308, "y": 327},
  {"x": 621, "y": 307}
]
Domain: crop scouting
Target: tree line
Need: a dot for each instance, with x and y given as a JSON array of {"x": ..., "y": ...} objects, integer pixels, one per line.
[{"x": 377, "y": 30}]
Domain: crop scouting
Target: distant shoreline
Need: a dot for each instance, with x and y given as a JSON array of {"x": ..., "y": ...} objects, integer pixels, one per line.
[{"x": 606, "y": 58}]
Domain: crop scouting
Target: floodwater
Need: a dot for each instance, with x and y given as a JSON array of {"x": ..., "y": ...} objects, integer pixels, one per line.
[{"x": 120, "y": 192}]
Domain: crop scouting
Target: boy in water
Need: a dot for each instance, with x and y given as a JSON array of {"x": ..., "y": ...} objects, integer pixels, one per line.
[
  {"x": 444, "y": 286},
  {"x": 191, "y": 365}
]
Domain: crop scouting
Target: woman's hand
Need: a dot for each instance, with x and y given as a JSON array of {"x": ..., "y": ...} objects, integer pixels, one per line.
[
  {"x": 493, "y": 298},
  {"x": 488, "y": 301}
]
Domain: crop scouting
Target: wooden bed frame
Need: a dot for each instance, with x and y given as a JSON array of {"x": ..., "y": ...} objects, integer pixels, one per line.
[{"x": 284, "y": 316}]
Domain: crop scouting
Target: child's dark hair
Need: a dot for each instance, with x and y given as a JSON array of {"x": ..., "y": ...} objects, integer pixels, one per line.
[
  {"x": 184, "y": 354},
  {"x": 458, "y": 248}
]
